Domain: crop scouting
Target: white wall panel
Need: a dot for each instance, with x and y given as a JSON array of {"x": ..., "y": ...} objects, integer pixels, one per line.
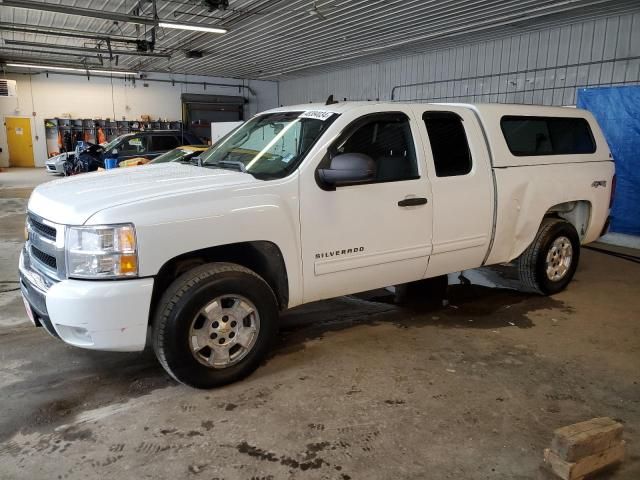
[
  {"x": 538, "y": 67},
  {"x": 41, "y": 96}
]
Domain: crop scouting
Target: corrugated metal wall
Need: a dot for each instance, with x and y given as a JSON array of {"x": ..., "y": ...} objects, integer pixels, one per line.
[{"x": 540, "y": 67}]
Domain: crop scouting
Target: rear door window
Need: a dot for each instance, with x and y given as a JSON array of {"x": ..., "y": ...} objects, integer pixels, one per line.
[
  {"x": 449, "y": 145},
  {"x": 531, "y": 136}
]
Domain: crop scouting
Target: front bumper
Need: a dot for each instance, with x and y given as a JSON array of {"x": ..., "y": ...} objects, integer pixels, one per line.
[
  {"x": 99, "y": 315},
  {"x": 55, "y": 167}
]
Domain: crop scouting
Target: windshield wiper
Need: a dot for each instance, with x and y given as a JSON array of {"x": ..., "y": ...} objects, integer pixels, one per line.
[{"x": 229, "y": 164}]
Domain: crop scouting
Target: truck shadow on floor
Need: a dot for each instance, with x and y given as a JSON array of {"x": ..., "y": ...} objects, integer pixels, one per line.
[{"x": 465, "y": 306}]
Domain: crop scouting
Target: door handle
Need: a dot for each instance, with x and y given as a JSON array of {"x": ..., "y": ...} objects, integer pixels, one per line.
[{"x": 412, "y": 202}]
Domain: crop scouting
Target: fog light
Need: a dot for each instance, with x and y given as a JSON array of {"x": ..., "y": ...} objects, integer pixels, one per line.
[{"x": 74, "y": 335}]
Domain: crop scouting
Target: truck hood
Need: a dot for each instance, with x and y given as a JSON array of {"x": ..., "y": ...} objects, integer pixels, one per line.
[{"x": 72, "y": 200}]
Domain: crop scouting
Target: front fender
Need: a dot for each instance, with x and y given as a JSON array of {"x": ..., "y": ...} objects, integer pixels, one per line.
[{"x": 173, "y": 225}]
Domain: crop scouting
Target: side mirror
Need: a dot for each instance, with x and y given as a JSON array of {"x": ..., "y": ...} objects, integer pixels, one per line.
[
  {"x": 197, "y": 161},
  {"x": 347, "y": 169},
  {"x": 114, "y": 151}
]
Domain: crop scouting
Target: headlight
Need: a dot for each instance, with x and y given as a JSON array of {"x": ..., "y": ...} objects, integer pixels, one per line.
[{"x": 104, "y": 251}]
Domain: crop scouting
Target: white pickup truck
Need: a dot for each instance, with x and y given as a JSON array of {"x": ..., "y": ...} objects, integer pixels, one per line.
[{"x": 305, "y": 203}]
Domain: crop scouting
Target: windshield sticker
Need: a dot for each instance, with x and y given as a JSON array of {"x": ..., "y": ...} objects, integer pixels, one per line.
[{"x": 317, "y": 114}]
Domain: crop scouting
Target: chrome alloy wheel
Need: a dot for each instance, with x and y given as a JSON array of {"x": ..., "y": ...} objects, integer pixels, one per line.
[
  {"x": 224, "y": 331},
  {"x": 559, "y": 258}
]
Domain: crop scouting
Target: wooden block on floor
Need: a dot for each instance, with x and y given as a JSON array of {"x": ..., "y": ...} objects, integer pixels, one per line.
[
  {"x": 545, "y": 473},
  {"x": 585, "y": 466},
  {"x": 579, "y": 440}
]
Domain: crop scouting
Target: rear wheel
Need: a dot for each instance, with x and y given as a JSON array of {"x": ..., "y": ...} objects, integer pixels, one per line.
[
  {"x": 549, "y": 263},
  {"x": 214, "y": 325}
]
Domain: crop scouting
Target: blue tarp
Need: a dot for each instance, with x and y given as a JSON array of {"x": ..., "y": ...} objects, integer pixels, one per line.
[{"x": 617, "y": 110}]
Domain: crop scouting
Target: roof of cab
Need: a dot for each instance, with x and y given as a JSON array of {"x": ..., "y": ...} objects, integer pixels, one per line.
[
  {"x": 339, "y": 107},
  {"x": 495, "y": 109},
  {"x": 480, "y": 108}
]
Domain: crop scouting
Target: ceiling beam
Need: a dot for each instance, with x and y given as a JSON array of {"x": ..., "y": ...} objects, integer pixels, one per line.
[
  {"x": 61, "y": 32},
  {"x": 133, "y": 53},
  {"x": 81, "y": 12},
  {"x": 45, "y": 61},
  {"x": 65, "y": 54}
]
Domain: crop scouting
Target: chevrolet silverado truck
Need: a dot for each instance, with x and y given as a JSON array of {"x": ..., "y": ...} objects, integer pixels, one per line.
[{"x": 305, "y": 203}]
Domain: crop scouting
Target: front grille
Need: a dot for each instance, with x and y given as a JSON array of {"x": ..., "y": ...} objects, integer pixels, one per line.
[
  {"x": 45, "y": 258},
  {"x": 42, "y": 229}
]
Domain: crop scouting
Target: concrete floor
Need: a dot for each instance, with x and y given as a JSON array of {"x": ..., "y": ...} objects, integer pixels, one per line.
[{"x": 358, "y": 387}]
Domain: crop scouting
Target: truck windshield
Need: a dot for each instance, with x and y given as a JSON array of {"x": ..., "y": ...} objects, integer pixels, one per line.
[{"x": 268, "y": 146}]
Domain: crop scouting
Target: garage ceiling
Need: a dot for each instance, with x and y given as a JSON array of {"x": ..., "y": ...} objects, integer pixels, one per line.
[{"x": 275, "y": 39}]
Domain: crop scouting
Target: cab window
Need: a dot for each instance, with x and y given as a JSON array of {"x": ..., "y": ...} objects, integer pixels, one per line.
[
  {"x": 387, "y": 139},
  {"x": 449, "y": 145}
]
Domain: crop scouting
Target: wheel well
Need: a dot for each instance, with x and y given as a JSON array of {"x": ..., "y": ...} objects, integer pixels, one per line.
[
  {"x": 577, "y": 213},
  {"x": 262, "y": 257}
]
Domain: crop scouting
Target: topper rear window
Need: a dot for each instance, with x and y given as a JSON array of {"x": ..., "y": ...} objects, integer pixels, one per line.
[{"x": 532, "y": 136}]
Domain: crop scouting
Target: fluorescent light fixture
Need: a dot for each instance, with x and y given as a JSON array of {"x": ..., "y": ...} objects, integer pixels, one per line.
[
  {"x": 195, "y": 28},
  {"x": 111, "y": 72},
  {"x": 68, "y": 69}
]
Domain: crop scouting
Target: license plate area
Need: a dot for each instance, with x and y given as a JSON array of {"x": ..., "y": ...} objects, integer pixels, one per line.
[{"x": 29, "y": 310}]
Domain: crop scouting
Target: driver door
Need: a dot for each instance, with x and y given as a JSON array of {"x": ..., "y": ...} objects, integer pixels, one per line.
[{"x": 371, "y": 235}]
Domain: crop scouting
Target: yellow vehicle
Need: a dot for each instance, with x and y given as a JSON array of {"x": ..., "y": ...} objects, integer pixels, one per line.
[
  {"x": 134, "y": 162},
  {"x": 180, "y": 154}
]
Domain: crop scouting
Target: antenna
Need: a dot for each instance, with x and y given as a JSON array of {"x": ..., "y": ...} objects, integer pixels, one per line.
[{"x": 330, "y": 100}]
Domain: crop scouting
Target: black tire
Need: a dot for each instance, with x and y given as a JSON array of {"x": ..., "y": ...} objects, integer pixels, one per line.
[
  {"x": 180, "y": 304},
  {"x": 532, "y": 264}
]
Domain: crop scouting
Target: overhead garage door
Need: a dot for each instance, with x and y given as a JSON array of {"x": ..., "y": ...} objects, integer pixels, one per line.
[{"x": 198, "y": 111}]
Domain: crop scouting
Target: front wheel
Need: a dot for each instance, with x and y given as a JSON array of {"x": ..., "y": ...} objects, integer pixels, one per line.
[
  {"x": 214, "y": 325},
  {"x": 549, "y": 263}
]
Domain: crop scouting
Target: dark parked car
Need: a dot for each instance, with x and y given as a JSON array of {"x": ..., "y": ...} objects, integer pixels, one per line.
[{"x": 148, "y": 144}]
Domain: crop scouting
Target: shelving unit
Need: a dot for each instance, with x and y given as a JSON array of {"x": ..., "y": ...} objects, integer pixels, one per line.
[
  {"x": 89, "y": 133},
  {"x": 51, "y": 131},
  {"x": 62, "y": 134}
]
